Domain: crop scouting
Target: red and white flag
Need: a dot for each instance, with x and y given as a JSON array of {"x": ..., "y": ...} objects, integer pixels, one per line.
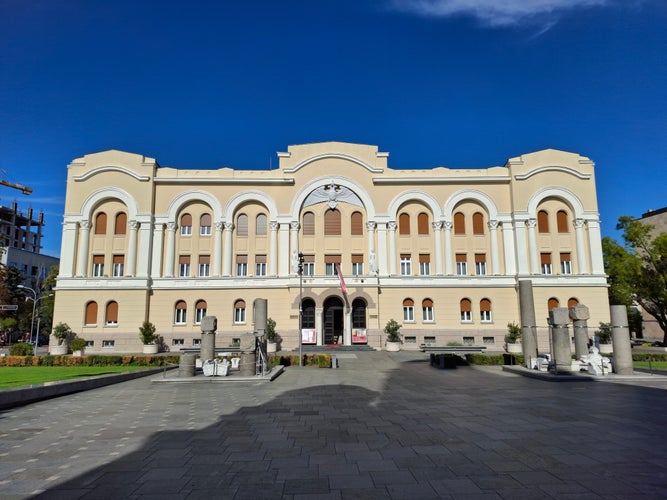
[{"x": 342, "y": 280}]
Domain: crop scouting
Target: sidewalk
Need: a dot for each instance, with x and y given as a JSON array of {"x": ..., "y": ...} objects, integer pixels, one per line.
[{"x": 382, "y": 425}]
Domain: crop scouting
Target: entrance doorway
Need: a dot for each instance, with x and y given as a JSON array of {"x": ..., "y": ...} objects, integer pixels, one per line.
[{"x": 334, "y": 321}]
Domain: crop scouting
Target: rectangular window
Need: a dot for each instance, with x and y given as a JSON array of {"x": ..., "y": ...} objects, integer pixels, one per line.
[
  {"x": 180, "y": 316},
  {"x": 204, "y": 266},
  {"x": 108, "y": 344},
  {"x": 205, "y": 230},
  {"x": 424, "y": 264},
  {"x": 545, "y": 261},
  {"x": 177, "y": 342},
  {"x": 406, "y": 264},
  {"x": 239, "y": 315},
  {"x": 118, "y": 265},
  {"x": 480, "y": 264},
  {"x": 461, "y": 264},
  {"x": 241, "y": 265},
  {"x": 184, "y": 266},
  {"x": 485, "y": 316},
  {"x": 186, "y": 230},
  {"x": 357, "y": 264},
  {"x": 199, "y": 315},
  {"x": 98, "y": 266},
  {"x": 488, "y": 340},
  {"x": 429, "y": 340},
  {"x": 565, "y": 263},
  {"x": 410, "y": 339},
  {"x": 309, "y": 265},
  {"x": 408, "y": 314},
  {"x": 427, "y": 314},
  {"x": 330, "y": 262},
  {"x": 468, "y": 340},
  {"x": 466, "y": 316},
  {"x": 260, "y": 265},
  {"x": 196, "y": 342}
]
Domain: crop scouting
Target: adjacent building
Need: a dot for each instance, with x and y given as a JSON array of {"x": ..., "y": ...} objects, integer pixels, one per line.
[{"x": 439, "y": 250}]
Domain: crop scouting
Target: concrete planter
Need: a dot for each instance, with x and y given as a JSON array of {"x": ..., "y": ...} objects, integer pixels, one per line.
[
  {"x": 58, "y": 350},
  {"x": 393, "y": 346},
  {"x": 271, "y": 347},
  {"x": 78, "y": 354},
  {"x": 514, "y": 348},
  {"x": 150, "y": 348}
]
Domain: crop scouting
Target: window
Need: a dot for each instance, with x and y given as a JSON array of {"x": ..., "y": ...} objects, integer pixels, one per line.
[
  {"x": 404, "y": 224},
  {"x": 308, "y": 314},
  {"x": 552, "y": 303},
  {"x": 357, "y": 264},
  {"x": 118, "y": 265},
  {"x": 242, "y": 225},
  {"x": 485, "y": 311},
  {"x": 561, "y": 221},
  {"x": 184, "y": 266},
  {"x": 488, "y": 340},
  {"x": 408, "y": 310},
  {"x": 91, "y": 314},
  {"x": 112, "y": 313},
  {"x": 101, "y": 223},
  {"x": 477, "y": 223},
  {"x": 98, "y": 266},
  {"x": 177, "y": 342},
  {"x": 424, "y": 264},
  {"x": 480, "y": 264},
  {"x": 260, "y": 265},
  {"x": 359, "y": 313},
  {"x": 565, "y": 263},
  {"x": 422, "y": 224},
  {"x": 330, "y": 262},
  {"x": 205, "y": 225},
  {"x": 332, "y": 223},
  {"x": 241, "y": 265},
  {"x": 459, "y": 223},
  {"x": 186, "y": 225},
  {"x": 461, "y": 264},
  {"x": 357, "y": 224},
  {"x": 239, "y": 312},
  {"x": 571, "y": 302},
  {"x": 120, "y": 226},
  {"x": 200, "y": 311},
  {"x": 108, "y": 344},
  {"x": 261, "y": 225},
  {"x": 545, "y": 261},
  {"x": 406, "y": 264},
  {"x": 466, "y": 310},
  {"x": 204, "y": 266},
  {"x": 542, "y": 221},
  {"x": 427, "y": 310},
  {"x": 196, "y": 342},
  {"x": 309, "y": 265},
  {"x": 180, "y": 312},
  {"x": 309, "y": 224},
  {"x": 468, "y": 340}
]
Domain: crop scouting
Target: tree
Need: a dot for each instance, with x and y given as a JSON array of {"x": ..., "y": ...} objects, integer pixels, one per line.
[{"x": 638, "y": 271}]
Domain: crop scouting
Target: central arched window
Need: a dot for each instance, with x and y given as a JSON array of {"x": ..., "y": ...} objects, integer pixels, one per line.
[
  {"x": 485, "y": 311},
  {"x": 242, "y": 225},
  {"x": 427, "y": 310},
  {"x": 261, "y": 225},
  {"x": 332, "y": 223},
  {"x": 404, "y": 224},
  {"x": 112, "y": 313},
  {"x": 542, "y": 221},
  {"x": 561, "y": 222},
  {"x": 309, "y": 224},
  {"x": 477, "y": 223},
  {"x": 91, "y": 314},
  {"x": 186, "y": 225},
  {"x": 466, "y": 310},
  {"x": 408, "y": 310},
  {"x": 357, "y": 224},
  {"x": 205, "y": 225},
  {"x": 120, "y": 226},
  {"x": 239, "y": 312},
  {"x": 200, "y": 311},
  {"x": 459, "y": 223},
  {"x": 180, "y": 312},
  {"x": 422, "y": 224},
  {"x": 101, "y": 223}
]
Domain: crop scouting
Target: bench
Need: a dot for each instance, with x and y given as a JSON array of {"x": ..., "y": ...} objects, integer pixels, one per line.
[{"x": 452, "y": 349}]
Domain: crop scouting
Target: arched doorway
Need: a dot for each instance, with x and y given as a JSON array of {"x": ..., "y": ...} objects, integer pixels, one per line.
[{"x": 334, "y": 320}]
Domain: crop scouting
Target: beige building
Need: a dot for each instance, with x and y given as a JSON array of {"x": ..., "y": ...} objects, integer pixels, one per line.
[
  {"x": 657, "y": 219},
  {"x": 439, "y": 250}
]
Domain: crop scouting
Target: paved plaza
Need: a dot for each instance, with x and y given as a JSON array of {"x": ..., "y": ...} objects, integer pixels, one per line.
[{"x": 383, "y": 425}]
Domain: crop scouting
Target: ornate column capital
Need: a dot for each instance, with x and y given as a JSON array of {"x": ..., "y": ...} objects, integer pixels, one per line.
[
  {"x": 437, "y": 225},
  {"x": 493, "y": 224},
  {"x": 274, "y": 225},
  {"x": 85, "y": 224},
  {"x": 133, "y": 225},
  {"x": 229, "y": 226},
  {"x": 578, "y": 223},
  {"x": 219, "y": 226},
  {"x": 171, "y": 226},
  {"x": 447, "y": 225},
  {"x": 295, "y": 225},
  {"x": 531, "y": 223},
  {"x": 371, "y": 225},
  {"x": 392, "y": 225}
]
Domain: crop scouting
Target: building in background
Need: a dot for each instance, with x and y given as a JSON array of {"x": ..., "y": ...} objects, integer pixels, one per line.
[{"x": 439, "y": 250}]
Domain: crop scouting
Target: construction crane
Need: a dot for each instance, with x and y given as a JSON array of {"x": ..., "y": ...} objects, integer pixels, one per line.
[{"x": 21, "y": 187}]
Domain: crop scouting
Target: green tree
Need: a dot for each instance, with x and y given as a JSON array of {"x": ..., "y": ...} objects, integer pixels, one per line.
[{"x": 638, "y": 270}]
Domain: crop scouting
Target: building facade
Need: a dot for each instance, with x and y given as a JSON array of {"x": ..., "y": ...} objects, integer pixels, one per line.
[{"x": 439, "y": 250}]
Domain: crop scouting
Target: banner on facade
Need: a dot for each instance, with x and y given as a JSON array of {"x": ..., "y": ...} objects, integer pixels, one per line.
[
  {"x": 308, "y": 336},
  {"x": 359, "y": 336}
]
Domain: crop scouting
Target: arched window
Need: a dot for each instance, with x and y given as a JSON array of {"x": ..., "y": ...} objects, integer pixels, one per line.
[
  {"x": 112, "y": 313},
  {"x": 261, "y": 225},
  {"x": 404, "y": 224},
  {"x": 91, "y": 314},
  {"x": 408, "y": 310},
  {"x": 180, "y": 312},
  {"x": 242, "y": 225},
  {"x": 422, "y": 224},
  {"x": 356, "y": 224},
  {"x": 186, "y": 225},
  {"x": 561, "y": 222},
  {"x": 459, "y": 223},
  {"x": 572, "y": 302},
  {"x": 308, "y": 314},
  {"x": 477, "y": 223},
  {"x": 485, "y": 311},
  {"x": 205, "y": 225},
  {"x": 553, "y": 303},
  {"x": 466, "y": 310},
  {"x": 332, "y": 223},
  {"x": 101, "y": 223},
  {"x": 427, "y": 310},
  {"x": 239, "y": 312},
  {"x": 309, "y": 224},
  {"x": 120, "y": 227},
  {"x": 358, "y": 313},
  {"x": 542, "y": 221},
  {"x": 200, "y": 311}
]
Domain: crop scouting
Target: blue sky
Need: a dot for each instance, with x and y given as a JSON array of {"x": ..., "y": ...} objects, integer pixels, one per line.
[{"x": 455, "y": 83}]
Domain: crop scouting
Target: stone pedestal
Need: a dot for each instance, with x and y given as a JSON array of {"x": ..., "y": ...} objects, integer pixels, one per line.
[
  {"x": 247, "y": 366},
  {"x": 580, "y": 315},
  {"x": 186, "y": 366},
  {"x": 528, "y": 326},
  {"x": 560, "y": 339},
  {"x": 620, "y": 338},
  {"x": 207, "y": 347}
]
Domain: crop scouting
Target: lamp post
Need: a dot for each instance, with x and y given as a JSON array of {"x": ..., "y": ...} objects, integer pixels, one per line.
[
  {"x": 301, "y": 259},
  {"x": 34, "y": 299}
]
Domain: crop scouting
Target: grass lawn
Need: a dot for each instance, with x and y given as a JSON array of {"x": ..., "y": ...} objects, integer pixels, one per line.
[
  {"x": 662, "y": 365},
  {"x": 16, "y": 376}
]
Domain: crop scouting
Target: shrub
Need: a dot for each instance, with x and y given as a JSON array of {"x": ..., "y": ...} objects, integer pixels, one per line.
[
  {"x": 454, "y": 343},
  {"x": 392, "y": 330},
  {"x": 604, "y": 333},
  {"x": 147, "y": 333},
  {"x": 62, "y": 332},
  {"x": 513, "y": 333},
  {"x": 20, "y": 349},
  {"x": 77, "y": 344}
]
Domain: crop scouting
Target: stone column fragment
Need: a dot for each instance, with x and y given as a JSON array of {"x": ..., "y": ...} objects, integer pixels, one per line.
[{"x": 620, "y": 338}]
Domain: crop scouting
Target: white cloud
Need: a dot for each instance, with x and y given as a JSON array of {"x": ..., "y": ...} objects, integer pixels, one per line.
[{"x": 495, "y": 12}]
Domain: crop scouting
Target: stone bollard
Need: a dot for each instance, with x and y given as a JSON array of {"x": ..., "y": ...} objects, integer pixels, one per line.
[
  {"x": 248, "y": 364},
  {"x": 528, "y": 326},
  {"x": 560, "y": 339},
  {"x": 186, "y": 366},
  {"x": 580, "y": 315},
  {"x": 620, "y": 338},
  {"x": 209, "y": 324}
]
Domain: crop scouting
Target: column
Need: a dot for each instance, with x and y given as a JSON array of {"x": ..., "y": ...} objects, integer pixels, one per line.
[
  {"x": 217, "y": 248},
  {"x": 347, "y": 336},
  {"x": 528, "y": 324},
  {"x": 319, "y": 325},
  {"x": 372, "y": 258},
  {"x": 132, "y": 248},
  {"x": 495, "y": 258},
  {"x": 620, "y": 338},
  {"x": 82, "y": 254},
  {"x": 68, "y": 249},
  {"x": 521, "y": 250},
  {"x": 449, "y": 254},
  {"x": 283, "y": 252},
  {"x": 582, "y": 260},
  {"x": 227, "y": 253},
  {"x": 171, "y": 250},
  {"x": 532, "y": 246},
  {"x": 382, "y": 248},
  {"x": 595, "y": 247},
  {"x": 392, "y": 247},
  {"x": 437, "y": 232},
  {"x": 294, "y": 246},
  {"x": 509, "y": 248},
  {"x": 144, "y": 249},
  {"x": 158, "y": 238},
  {"x": 273, "y": 248}
]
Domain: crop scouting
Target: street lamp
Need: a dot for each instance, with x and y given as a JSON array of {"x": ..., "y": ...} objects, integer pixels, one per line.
[
  {"x": 34, "y": 299},
  {"x": 301, "y": 259}
]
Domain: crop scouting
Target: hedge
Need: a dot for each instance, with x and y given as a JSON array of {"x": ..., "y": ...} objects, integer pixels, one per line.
[
  {"x": 92, "y": 360},
  {"x": 319, "y": 360}
]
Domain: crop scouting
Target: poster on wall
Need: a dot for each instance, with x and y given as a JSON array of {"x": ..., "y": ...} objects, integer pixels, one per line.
[
  {"x": 308, "y": 336},
  {"x": 359, "y": 336}
]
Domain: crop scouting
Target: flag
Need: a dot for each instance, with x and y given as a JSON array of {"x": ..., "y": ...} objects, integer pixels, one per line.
[{"x": 342, "y": 280}]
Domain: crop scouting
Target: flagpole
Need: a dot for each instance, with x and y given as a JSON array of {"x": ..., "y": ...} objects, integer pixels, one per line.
[{"x": 301, "y": 259}]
